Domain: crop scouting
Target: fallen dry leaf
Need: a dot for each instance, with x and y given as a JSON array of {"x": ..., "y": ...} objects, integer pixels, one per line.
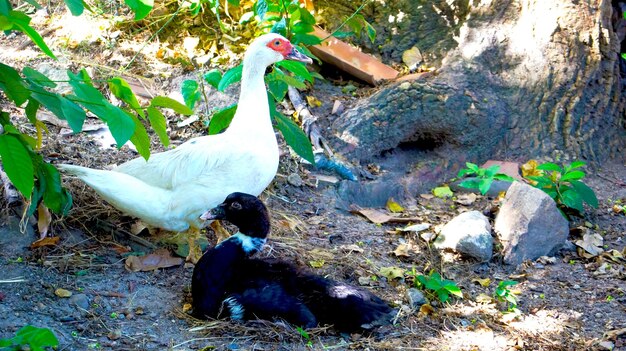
[
  {"x": 530, "y": 169},
  {"x": 313, "y": 101},
  {"x": 351, "y": 248},
  {"x": 426, "y": 309},
  {"x": 415, "y": 227},
  {"x": 47, "y": 241},
  {"x": 466, "y": 199},
  {"x": 159, "y": 259},
  {"x": 484, "y": 298},
  {"x": 393, "y": 206},
  {"x": 316, "y": 263},
  {"x": 186, "y": 307},
  {"x": 62, "y": 293},
  {"x": 412, "y": 57},
  {"x": 428, "y": 236},
  {"x": 405, "y": 250},
  {"x": 44, "y": 218},
  {"x": 591, "y": 244},
  {"x": 322, "y": 254},
  {"x": 483, "y": 282},
  {"x": 392, "y": 272},
  {"x": 378, "y": 217}
]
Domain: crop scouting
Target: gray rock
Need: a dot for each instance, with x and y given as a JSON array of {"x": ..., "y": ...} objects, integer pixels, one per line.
[
  {"x": 416, "y": 298},
  {"x": 80, "y": 300},
  {"x": 468, "y": 233},
  {"x": 529, "y": 224}
]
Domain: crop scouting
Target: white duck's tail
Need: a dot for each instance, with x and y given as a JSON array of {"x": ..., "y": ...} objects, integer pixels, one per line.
[{"x": 124, "y": 192}]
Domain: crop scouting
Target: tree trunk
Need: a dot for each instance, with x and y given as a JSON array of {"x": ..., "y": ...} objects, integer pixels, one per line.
[{"x": 515, "y": 80}]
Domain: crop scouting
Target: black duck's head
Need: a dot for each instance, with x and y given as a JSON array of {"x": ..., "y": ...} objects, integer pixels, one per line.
[{"x": 245, "y": 211}]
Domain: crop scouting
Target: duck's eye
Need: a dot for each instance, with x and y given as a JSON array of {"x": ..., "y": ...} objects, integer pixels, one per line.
[
  {"x": 277, "y": 43},
  {"x": 235, "y": 206}
]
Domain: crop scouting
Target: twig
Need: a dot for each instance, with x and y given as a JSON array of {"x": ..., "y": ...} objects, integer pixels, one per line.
[
  {"x": 309, "y": 122},
  {"x": 13, "y": 280},
  {"x": 347, "y": 19},
  {"x": 108, "y": 226},
  {"x": 614, "y": 181},
  {"x": 108, "y": 293}
]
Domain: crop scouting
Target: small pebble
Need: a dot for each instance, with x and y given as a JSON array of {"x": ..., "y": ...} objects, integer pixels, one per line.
[{"x": 295, "y": 179}]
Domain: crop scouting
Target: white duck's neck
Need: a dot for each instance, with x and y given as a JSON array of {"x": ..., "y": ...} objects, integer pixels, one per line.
[{"x": 253, "y": 112}]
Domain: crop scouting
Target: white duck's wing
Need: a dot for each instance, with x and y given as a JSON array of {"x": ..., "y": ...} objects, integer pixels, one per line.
[{"x": 187, "y": 162}]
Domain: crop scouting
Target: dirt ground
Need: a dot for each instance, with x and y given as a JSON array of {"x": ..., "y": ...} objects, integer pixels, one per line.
[{"x": 572, "y": 303}]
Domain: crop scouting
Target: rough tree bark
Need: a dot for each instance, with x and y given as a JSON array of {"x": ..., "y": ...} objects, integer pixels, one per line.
[{"x": 516, "y": 79}]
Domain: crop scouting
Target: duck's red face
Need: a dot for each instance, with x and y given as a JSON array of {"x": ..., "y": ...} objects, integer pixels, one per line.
[
  {"x": 280, "y": 45},
  {"x": 288, "y": 51}
]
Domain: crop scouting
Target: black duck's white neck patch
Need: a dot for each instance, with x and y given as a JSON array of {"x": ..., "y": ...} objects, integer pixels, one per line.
[{"x": 248, "y": 243}]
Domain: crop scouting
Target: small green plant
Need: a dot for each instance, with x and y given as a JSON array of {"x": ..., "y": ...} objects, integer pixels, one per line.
[
  {"x": 503, "y": 293},
  {"x": 434, "y": 285},
  {"x": 482, "y": 177},
  {"x": 564, "y": 185},
  {"x": 33, "y": 338},
  {"x": 303, "y": 333}
]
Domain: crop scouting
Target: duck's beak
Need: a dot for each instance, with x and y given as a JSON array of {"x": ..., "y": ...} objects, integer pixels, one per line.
[
  {"x": 298, "y": 56},
  {"x": 214, "y": 213}
]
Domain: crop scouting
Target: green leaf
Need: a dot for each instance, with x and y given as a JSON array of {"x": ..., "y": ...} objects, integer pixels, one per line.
[
  {"x": 306, "y": 16},
  {"x": 280, "y": 27},
  {"x": 21, "y": 21},
  {"x": 586, "y": 193},
  {"x": 279, "y": 75},
  {"x": 11, "y": 84},
  {"x": 190, "y": 92},
  {"x": 453, "y": 289},
  {"x": 371, "y": 31},
  {"x": 471, "y": 183},
  {"x": 163, "y": 101},
  {"x": 305, "y": 39},
  {"x": 297, "y": 68},
  {"x": 121, "y": 125},
  {"x": 221, "y": 119},
  {"x": 573, "y": 175},
  {"x": 74, "y": 115},
  {"x": 442, "y": 192},
  {"x": 231, "y": 76},
  {"x": 572, "y": 199},
  {"x": 213, "y": 77},
  {"x": 574, "y": 165},
  {"x": 140, "y": 137},
  {"x": 122, "y": 90},
  {"x": 56, "y": 198},
  {"x": 37, "y": 338},
  {"x": 293, "y": 134},
  {"x": 276, "y": 86},
  {"x": 141, "y": 7},
  {"x": 159, "y": 124},
  {"x": 549, "y": 166},
  {"x": 38, "y": 77},
  {"x": 5, "y": 7},
  {"x": 261, "y": 8},
  {"x": 472, "y": 166},
  {"x": 31, "y": 110},
  {"x": 489, "y": 172},
  {"x": 443, "y": 295},
  {"x": 17, "y": 164},
  {"x": 503, "y": 177},
  {"x": 484, "y": 185},
  {"x": 76, "y": 6}
]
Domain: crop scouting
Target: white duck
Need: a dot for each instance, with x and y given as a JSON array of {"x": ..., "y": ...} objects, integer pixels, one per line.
[{"x": 173, "y": 188}]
